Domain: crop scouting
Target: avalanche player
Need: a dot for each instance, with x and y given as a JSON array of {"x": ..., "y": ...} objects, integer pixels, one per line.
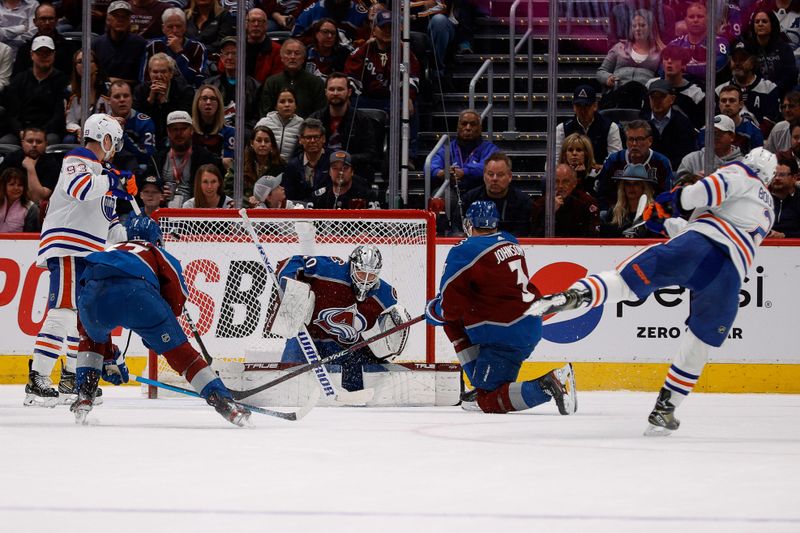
[
  {"x": 81, "y": 214},
  {"x": 341, "y": 302},
  {"x": 710, "y": 255},
  {"x": 483, "y": 304},
  {"x": 137, "y": 285}
]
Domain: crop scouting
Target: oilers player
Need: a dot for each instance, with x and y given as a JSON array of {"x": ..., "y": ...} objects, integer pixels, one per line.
[
  {"x": 80, "y": 217},
  {"x": 341, "y": 302},
  {"x": 137, "y": 285},
  {"x": 483, "y": 302},
  {"x": 710, "y": 255}
]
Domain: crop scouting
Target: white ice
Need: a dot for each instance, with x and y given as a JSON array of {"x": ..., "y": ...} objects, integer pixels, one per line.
[{"x": 175, "y": 465}]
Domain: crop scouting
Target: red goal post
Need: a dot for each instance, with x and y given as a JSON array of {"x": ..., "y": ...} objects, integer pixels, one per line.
[{"x": 230, "y": 291}]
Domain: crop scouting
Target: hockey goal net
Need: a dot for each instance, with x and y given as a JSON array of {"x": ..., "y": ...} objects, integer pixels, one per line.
[{"x": 231, "y": 293}]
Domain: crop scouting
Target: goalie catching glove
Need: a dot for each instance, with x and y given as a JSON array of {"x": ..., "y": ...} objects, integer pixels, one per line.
[
  {"x": 392, "y": 345},
  {"x": 295, "y": 309}
]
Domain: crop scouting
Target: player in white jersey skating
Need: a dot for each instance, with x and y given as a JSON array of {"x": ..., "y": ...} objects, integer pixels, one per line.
[
  {"x": 80, "y": 217},
  {"x": 710, "y": 255}
]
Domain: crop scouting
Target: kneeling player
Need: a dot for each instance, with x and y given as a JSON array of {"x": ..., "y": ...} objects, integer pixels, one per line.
[
  {"x": 139, "y": 286},
  {"x": 483, "y": 298},
  {"x": 341, "y": 302}
]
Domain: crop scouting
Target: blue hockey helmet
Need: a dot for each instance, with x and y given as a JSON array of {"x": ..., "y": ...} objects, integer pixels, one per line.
[
  {"x": 482, "y": 215},
  {"x": 143, "y": 228}
]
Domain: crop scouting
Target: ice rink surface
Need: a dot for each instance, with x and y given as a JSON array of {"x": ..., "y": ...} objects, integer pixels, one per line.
[{"x": 174, "y": 465}]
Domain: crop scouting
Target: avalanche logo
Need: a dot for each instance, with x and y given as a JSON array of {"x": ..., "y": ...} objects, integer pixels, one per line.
[
  {"x": 344, "y": 323},
  {"x": 558, "y": 277}
]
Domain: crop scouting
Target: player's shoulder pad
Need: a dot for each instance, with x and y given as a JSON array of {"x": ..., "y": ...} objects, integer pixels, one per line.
[
  {"x": 81, "y": 152},
  {"x": 326, "y": 266},
  {"x": 385, "y": 294}
]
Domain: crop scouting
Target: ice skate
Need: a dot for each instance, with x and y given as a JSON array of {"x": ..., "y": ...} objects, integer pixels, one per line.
[
  {"x": 66, "y": 389},
  {"x": 229, "y": 409},
  {"x": 85, "y": 396},
  {"x": 469, "y": 400},
  {"x": 662, "y": 419},
  {"x": 39, "y": 390},
  {"x": 561, "y": 301},
  {"x": 560, "y": 384}
]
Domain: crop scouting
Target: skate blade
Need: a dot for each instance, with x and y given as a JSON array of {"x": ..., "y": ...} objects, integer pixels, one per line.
[
  {"x": 569, "y": 402},
  {"x": 657, "y": 431},
  {"x": 32, "y": 400}
]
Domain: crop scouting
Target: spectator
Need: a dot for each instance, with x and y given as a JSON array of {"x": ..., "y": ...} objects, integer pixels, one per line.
[
  {"x": 264, "y": 56},
  {"x": 16, "y": 22},
  {"x": 98, "y": 101},
  {"x": 724, "y": 150},
  {"x": 788, "y": 14},
  {"x": 119, "y": 51},
  {"x": 621, "y": 14},
  {"x": 6, "y": 59},
  {"x": 347, "y": 190},
  {"x": 514, "y": 205},
  {"x": 17, "y": 212},
  {"x": 146, "y": 18},
  {"x": 325, "y": 54},
  {"x": 268, "y": 193},
  {"x": 638, "y": 139},
  {"x": 794, "y": 150},
  {"x": 577, "y": 214},
  {"x": 673, "y": 134},
  {"x": 178, "y": 164},
  {"x": 208, "y": 23},
  {"x": 780, "y": 138},
  {"x": 189, "y": 55},
  {"x": 748, "y": 134},
  {"x": 760, "y": 96},
  {"x": 41, "y": 168},
  {"x": 786, "y": 199},
  {"x": 150, "y": 193},
  {"x": 603, "y": 133},
  {"x": 208, "y": 190},
  {"x": 306, "y": 173},
  {"x": 35, "y": 97},
  {"x": 435, "y": 20},
  {"x": 309, "y": 89},
  {"x": 225, "y": 81},
  {"x": 350, "y": 16},
  {"x": 208, "y": 121},
  {"x": 695, "y": 42},
  {"x": 284, "y": 123},
  {"x": 283, "y": 13},
  {"x": 468, "y": 153},
  {"x": 261, "y": 158},
  {"x": 72, "y": 12},
  {"x": 775, "y": 57},
  {"x": 349, "y": 129},
  {"x": 163, "y": 94},
  {"x": 631, "y": 185},
  {"x": 578, "y": 153},
  {"x": 689, "y": 97},
  {"x": 45, "y": 21},
  {"x": 138, "y": 129}
]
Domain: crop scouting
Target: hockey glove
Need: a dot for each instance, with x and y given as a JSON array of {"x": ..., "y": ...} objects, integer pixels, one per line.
[
  {"x": 115, "y": 370},
  {"x": 654, "y": 217},
  {"x": 433, "y": 312},
  {"x": 121, "y": 183}
]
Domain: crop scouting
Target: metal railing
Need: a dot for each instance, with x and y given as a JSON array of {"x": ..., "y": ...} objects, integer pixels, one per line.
[
  {"x": 514, "y": 48},
  {"x": 487, "y": 111},
  {"x": 444, "y": 140}
]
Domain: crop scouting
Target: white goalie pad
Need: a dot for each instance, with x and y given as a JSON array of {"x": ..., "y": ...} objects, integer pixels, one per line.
[
  {"x": 295, "y": 310},
  {"x": 392, "y": 345}
]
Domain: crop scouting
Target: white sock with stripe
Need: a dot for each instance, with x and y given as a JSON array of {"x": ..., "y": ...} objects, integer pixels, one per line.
[
  {"x": 605, "y": 287},
  {"x": 687, "y": 367}
]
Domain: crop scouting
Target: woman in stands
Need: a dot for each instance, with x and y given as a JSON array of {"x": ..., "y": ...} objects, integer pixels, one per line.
[
  {"x": 208, "y": 189},
  {"x": 325, "y": 54},
  {"x": 208, "y": 22},
  {"x": 776, "y": 60},
  {"x": 98, "y": 99},
  {"x": 577, "y": 152},
  {"x": 284, "y": 122},
  {"x": 17, "y": 212},
  {"x": 633, "y": 183},
  {"x": 261, "y": 158},
  {"x": 208, "y": 122}
]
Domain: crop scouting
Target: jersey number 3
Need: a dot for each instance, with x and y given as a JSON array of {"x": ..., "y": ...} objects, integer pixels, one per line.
[{"x": 522, "y": 279}]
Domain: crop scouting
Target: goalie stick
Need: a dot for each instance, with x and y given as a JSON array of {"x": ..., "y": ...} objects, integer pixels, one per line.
[
  {"x": 292, "y": 415},
  {"x": 325, "y": 360},
  {"x": 303, "y": 338}
]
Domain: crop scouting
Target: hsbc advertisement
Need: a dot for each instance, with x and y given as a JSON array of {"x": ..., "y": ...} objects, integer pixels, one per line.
[{"x": 765, "y": 330}]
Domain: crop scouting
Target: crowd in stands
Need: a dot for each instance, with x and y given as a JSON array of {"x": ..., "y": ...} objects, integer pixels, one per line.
[{"x": 317, "y": 102}]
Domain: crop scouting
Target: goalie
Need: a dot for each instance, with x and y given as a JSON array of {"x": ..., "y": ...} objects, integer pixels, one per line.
[{"x": 341, "y": 303}]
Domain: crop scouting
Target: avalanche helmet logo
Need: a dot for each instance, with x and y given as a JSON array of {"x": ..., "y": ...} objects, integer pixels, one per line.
[
  {"x": 558, "y": 277},
  {"x": 344, "y": 323}
]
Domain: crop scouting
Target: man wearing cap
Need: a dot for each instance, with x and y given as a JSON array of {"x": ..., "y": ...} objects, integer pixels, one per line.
[
  {"x": 617, "y": 221},
  {"x": 16, "y": 22},
  {"x": 673, "y": 133},
  {"x": 178, "y": 164},
  {"x": 118, "y": 51},
  {"x": 150, "y": 193},
  {"x": 35, "y": 97},
  {"x": 268, "y": 193},
  {"x": 346, "y": 190},
  {"x": 225, "y": 81},
  {"x": 577, "y": 213},
  {"x": 724, "y": 150},
  {"x": 45, "y": 21},
  {"x": 689, "y": 97},
  {"x": 603, "y": 133},
  {"x": 748, "y": 134},
  {"x": 308, "y": 88},
  {"x": 189, "y": 54},
  {"x": 760, "y": 95}
]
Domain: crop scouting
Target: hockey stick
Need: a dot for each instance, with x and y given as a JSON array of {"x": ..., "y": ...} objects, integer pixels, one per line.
[
  {"x": 196, "y": 335},
  {"x": 637, "y": 220},
  {"x": 292, "y": 415},
  {"x": 303, "y": 338},
  {"x": 325, "y": 360}
]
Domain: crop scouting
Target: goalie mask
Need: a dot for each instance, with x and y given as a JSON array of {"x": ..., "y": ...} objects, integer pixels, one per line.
[{"x": 365, "y": 267}]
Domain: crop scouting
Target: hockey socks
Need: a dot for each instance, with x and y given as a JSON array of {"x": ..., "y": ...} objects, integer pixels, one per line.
[
  {"x": 687, "y": 367},
  {"x": 516, "y": 396},
  {"x": 605, "y": 287},
  {"x": 187, "y": 362}
]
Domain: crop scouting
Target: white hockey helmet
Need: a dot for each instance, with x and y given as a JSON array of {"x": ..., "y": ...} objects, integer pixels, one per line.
[
  {"x": 762, "y": 162},
  {"x": 365, "y": 267},
  {"x": 99, "y": 125}
]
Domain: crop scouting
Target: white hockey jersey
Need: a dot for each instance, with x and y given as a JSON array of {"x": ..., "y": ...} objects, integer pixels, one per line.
[
  {"x": 732, "y": 207},
  {"x": 81, "y": 211}
]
